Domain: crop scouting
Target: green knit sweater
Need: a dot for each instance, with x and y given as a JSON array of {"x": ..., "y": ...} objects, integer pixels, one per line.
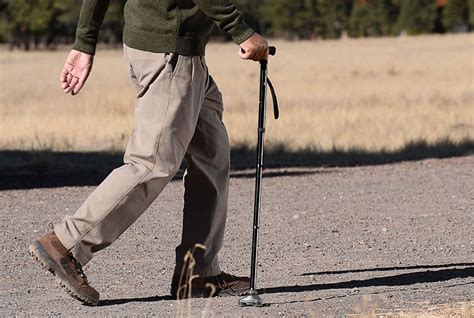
[{"x": 164, "y": 26}]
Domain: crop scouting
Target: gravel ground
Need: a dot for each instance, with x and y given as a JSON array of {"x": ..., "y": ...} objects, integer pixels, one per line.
[{"x": 333, "y": 242}]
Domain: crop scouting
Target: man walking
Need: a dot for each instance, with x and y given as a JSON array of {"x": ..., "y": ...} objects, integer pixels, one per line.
[{"x": 178, "y": 115}]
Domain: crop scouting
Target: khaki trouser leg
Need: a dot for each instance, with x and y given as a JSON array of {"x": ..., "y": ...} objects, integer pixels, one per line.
[
  {"x": 206, "y": 188},
  {"x": 171, "y": 91}
]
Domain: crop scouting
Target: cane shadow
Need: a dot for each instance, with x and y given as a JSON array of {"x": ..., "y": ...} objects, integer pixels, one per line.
[
  {"x": 405, "y": 279},
  {"x": 392, "y": 268},
  {"x": 294, "y": 172},
  {"x": 121, "y": 301}
]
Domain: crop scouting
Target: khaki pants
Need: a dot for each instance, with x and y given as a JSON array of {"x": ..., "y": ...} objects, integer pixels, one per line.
[{"x": 178, "y": 115}]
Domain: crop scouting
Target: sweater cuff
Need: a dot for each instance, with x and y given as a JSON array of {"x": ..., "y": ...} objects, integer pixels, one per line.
[
  {"x": 84, "y": 47},
  {"x": 240, "y": 33}
]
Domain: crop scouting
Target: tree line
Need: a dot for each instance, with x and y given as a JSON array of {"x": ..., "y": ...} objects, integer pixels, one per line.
[{"x": 36, "y": 24}]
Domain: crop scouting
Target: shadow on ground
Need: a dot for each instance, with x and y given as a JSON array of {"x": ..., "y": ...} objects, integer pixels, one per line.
[
  {"x": 399, "y": 280},
  {"x": 428, "y": 276},
  {"x": 448, "y": 272},
  {"x": 38, "y": 169}
]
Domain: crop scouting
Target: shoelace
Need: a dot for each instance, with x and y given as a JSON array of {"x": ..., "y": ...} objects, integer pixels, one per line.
[
  {"x": 224, "y": 279},
  {"x": 227, "y": 277},
  {"x": 78, "y": 267}
]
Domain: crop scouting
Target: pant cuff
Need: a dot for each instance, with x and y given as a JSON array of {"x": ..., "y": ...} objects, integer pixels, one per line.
[
  {"x": 80, "y": 255},
  {"x": 72, "y": 246},
  {"x": 211, "y": 270}
]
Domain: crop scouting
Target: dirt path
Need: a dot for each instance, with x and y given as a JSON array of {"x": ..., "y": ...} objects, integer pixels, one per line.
[{"x": 333, "y": 242}]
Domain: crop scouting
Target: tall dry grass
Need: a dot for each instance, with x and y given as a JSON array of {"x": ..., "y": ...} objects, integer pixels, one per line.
[{"x": 370, "y": 94}]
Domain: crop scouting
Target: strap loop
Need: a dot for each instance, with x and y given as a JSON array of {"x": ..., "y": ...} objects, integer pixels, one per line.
[{"x": 276, "y": 110}]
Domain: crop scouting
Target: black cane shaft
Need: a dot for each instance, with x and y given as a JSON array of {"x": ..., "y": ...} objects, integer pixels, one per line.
[{"x": 258, "y": 172}]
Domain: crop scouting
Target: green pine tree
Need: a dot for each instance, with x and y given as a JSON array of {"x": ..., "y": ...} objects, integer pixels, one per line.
[
  {"x": 3, "y": 22},
  {"x": 375, "y": 18},
  {"x": 33, "y": 22},
  {"x": 416, "y": 16},
  {"x": 292, "y": 19},
  {"x": 252, "y": 13},
  {"x": 456, "y": 15},
  {"x": 62, "y": 24},
  {"x": 359, "y": 21},
  {"x": 26, "y": 21},
  {"x": 471, "y": 13},
  {"x": 332, "y": 17},
  {"x": 112, "y": 29}
]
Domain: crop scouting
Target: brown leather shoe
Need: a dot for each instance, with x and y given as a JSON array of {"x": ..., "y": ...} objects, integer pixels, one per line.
[
  {"x": 201, "y": 287},
  {"x": 54, "y": 257}
]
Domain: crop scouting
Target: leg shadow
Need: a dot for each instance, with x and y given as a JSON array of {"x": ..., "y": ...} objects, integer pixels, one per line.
[{"x": 121, "y": 301}]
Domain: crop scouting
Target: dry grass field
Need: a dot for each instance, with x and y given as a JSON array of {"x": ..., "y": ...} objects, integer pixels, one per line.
[{"x": 368, "y": 94}]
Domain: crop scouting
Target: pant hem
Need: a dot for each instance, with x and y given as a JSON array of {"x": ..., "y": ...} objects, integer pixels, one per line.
[{"x": 73, "y": 247}]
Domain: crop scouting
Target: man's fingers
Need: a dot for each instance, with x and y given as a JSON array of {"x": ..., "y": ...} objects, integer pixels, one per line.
[
  {"x": 67, "y": 89},
  {"x": 71, "y": 85},
  {"x": 78, "y": 87},
  {"x": 257, "y": 56},
  {"x": 261, "y": 53},
  {"x": 256, "y": 47},
  {"x": 73, "y": 82},
  {"x": 246, "y": 55},
  {"x": 75, "y": 71},
  {"x": 252, "y": 55},
  {"x": 62, "y": 76},
  {"x": 69, "y": 78},
  {"x": 266, "y": 53}
]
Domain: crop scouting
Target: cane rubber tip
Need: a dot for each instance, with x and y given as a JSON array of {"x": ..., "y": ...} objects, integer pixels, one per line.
[{"x": 251, "y": 300}]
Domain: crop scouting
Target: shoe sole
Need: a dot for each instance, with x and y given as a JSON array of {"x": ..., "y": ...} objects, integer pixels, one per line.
[
  {"x": 39, "y": 254},
  {"x": 225, "y": 293},
  {"x": 204, "y": 293}
]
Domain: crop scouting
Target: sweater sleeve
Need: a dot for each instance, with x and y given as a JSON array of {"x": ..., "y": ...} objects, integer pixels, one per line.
[
  {"x": 225, "y": 14},
  {"x": 90, "y": 22}
]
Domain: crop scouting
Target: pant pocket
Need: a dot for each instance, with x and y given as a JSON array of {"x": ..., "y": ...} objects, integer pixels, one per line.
[{"x": 173, "y": 60}]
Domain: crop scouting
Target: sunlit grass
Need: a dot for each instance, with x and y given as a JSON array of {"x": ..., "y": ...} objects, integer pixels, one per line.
[{"x": 367, "y": 94}]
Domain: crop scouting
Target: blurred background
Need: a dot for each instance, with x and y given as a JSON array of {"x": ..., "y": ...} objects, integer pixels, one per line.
[{"x": 359, "y": 82}]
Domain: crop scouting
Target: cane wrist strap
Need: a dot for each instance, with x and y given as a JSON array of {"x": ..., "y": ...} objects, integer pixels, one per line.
[{"x": 276, "y": 110}]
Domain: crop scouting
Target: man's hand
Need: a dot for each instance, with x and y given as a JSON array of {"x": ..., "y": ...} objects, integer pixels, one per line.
[
  {"x": 76, "y": 71},
  {"x": 254, "y": 48}
]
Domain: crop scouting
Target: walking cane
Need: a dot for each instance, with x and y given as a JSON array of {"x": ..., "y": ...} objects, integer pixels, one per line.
[{"x": 252, "y": 298}]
